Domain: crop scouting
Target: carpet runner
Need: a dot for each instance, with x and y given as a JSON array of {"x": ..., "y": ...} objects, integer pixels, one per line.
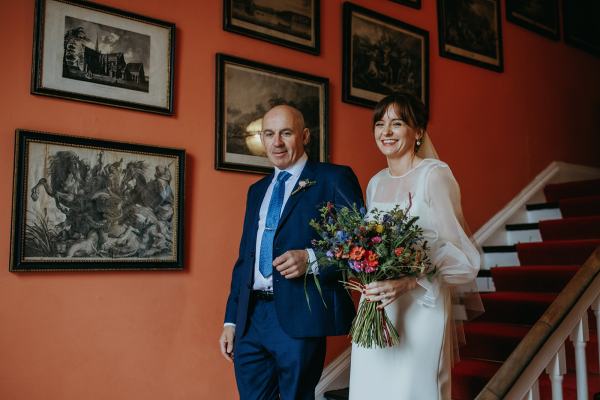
[{"x": 525, "y": 291}]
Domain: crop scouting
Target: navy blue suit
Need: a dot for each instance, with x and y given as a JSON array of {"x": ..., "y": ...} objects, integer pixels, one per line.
[{"x": 301, "y": 328}]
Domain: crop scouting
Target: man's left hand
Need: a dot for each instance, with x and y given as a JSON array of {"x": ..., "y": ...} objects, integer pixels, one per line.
[{"x": 292, "y": 263}]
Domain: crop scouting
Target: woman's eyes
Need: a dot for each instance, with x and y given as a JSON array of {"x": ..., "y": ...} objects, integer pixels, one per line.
[{"x": 396, "y": 123}]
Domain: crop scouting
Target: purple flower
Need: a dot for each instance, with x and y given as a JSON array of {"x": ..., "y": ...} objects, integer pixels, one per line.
[
  {"x": 355, "y": 265},
  {"x": 329, "y": 254},
  {"x": 376, "y": 239}
]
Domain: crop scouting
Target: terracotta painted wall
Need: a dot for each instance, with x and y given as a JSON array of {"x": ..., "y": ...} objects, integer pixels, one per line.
[{"x": 154, "y": 335}]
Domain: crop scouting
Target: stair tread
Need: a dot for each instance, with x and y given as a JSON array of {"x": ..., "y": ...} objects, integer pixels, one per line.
[
  {"x": 557, "y": 191},
  {"x": 522, "y": 226}
]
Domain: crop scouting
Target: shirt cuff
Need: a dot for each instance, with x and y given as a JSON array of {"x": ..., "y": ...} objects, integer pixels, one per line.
[
  {"x": 228, "y": 324},
  {"x": 312, "y": 262}
]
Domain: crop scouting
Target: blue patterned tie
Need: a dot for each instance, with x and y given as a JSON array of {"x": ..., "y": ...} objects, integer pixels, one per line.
[{"x": 265, "y": 264}]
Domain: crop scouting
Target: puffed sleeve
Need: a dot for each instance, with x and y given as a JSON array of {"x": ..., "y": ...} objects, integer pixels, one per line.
[
  {"x": 454, "y": 255},
  {"x": 370, "y": 189}
]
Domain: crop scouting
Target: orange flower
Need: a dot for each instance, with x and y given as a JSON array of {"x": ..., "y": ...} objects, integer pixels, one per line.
[
  {"x": 356, "y": 253},
  {"x": 398, "y": 251},
  {"x": 372, "y": 259}
]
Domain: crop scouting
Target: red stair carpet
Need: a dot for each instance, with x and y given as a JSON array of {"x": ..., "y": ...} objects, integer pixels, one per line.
[{"x": 524, "y": 292}]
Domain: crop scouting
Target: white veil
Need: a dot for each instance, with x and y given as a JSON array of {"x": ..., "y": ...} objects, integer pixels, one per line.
[{"x": 466, "y": 302}]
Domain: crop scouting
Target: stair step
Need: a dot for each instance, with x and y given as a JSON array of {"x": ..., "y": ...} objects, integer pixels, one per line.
[
  {"x": 557, "y": 191},
  {"x": 339, "y": 394},
  {"x": 564, "y": 252},
  {"x": 529, "y": 226},
  {"x": 523, "y": 308},
  {"x": 491, "y": 340},
  {"x": 580, "y": 206},
  {"x": 542, "y": 206},
  {"x": 533, "y": 278},
  {"x": 499, "y": 249},
  {"x": 470, "y": 376},
  {"x": 571, "y": 228}
]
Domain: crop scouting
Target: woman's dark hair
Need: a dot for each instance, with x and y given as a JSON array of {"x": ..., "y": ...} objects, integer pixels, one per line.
[{"x": 409, "y": 108}]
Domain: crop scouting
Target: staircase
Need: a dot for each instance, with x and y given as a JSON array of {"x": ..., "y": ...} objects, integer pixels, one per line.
[
  {"x": 525, "y": 290},
  {"x": 523, "y": 273}
]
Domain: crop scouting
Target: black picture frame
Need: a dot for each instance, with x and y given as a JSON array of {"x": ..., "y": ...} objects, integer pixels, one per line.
[
  {"x": 90, "y": 52},
  {"x": 471, "y": 31},
  {"x": 409, "y": 3},
  {"x": 371, "y": 39},
  {"x": 539, "y": 16},
  {"x": 238, "y": 127},
  {"x": 297, "y": 27},
  {"x": 83, "y": 204},
  {"x": 581, "y": 24}
]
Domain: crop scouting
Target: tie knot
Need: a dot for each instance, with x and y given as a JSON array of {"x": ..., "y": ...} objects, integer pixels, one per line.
[{"x": 283, "y": 176}]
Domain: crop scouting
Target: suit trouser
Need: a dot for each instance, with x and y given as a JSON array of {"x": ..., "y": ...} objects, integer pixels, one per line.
[{"x": 269, "y": 363}]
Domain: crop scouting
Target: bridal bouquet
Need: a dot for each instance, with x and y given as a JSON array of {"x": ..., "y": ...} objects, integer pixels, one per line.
[{"x": 367, "y": 248}]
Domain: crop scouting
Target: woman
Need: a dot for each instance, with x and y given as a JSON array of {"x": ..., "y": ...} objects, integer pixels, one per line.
[{"x": 420, "y": 308}]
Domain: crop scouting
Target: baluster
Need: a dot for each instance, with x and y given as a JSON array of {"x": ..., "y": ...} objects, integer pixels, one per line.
[
  {"x": 596, "y": 308},
  {"x": 534, "y": 392},
  {"x": 579, "y": 337},
  {"x": 555, "y": 370}
]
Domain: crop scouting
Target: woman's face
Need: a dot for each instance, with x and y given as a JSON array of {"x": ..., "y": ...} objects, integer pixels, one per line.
[{"x": 393, "y": 136}]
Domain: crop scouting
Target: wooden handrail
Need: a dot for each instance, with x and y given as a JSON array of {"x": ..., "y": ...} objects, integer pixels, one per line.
[{"x": 504, "y": 379}]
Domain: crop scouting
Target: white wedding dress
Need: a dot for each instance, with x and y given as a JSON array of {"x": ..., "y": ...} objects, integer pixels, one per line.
[{"x": 419, "y": 367}]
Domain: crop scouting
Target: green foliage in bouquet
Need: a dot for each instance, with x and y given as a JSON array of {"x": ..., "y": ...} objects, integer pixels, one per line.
[{"x": 369, "y": 247}]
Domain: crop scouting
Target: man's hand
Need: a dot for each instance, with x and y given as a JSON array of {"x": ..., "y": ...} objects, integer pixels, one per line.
[
  {"x": 226, "y": 342},
  {"x": 292, "y": 263}
]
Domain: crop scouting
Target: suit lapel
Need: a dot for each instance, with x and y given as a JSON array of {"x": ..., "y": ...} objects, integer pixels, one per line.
[{"x": 308, "y": 173}]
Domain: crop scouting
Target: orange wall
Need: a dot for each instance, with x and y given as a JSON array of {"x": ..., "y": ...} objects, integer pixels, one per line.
[{"x": 154, "y": 335}]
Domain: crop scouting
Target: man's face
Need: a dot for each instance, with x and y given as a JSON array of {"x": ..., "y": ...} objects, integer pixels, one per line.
[{"x": 282, "y": 137}]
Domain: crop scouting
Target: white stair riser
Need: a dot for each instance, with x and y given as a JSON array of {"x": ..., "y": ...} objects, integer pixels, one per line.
[
  {"x": 542, "y": 215},
  {"x": 528, "y": 236},
  {"x": 491, "y": 260},
  {"x": 486, "y": 284}
]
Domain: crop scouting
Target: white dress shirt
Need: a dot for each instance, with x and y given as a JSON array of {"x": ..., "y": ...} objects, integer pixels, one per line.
[{"x": 260, "y": 282}]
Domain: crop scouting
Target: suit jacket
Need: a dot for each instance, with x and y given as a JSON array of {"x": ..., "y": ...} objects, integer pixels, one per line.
[{"x": 334, "y": 183}]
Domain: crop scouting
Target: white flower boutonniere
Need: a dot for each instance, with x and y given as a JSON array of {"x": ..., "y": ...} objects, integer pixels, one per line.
[{"x": 303, "y": 185}]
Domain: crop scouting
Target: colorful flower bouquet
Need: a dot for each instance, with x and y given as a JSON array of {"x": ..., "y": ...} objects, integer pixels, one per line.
[{"x": 367, "y": 248}]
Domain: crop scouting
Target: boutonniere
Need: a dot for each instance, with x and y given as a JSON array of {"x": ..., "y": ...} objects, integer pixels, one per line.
[{"x": 303, "y": 185}]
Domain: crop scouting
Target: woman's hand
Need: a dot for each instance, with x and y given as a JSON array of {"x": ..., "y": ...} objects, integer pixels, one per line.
[{"x": 388, "y": 291}]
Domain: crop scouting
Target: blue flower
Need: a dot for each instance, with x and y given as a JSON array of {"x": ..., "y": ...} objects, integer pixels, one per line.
[
  {"x": 341, "y": 236},
  {"x": 329, "y": 254},
  {"x": 362, "y": 211}
]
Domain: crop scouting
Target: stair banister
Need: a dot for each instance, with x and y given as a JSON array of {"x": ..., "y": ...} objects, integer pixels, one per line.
[{"x": 566, "y": 316}]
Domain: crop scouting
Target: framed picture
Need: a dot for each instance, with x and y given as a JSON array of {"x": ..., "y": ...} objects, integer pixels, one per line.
[
  {"x": 290, "y": 23},
  {"x": 87, "y": 205},
  {"x": 470, "y": 31},
  {"x": 382, "y": 55},
  {"x": 410, "y": 3},
  {"x": 246, "y": 90},
  {"x": 540, "y": 16},
  {"x": 90, "y": 52},
  {"x": 582, "y": 29}
]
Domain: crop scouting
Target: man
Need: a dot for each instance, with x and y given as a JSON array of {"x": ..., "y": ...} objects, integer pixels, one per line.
[{"x": 279, "y": 343}]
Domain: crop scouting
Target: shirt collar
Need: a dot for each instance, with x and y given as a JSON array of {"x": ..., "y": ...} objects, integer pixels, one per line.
[{"x": 296, "y": 169}]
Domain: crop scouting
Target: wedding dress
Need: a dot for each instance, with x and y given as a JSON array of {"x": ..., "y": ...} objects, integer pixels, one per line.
[{"x": 419, "y": 367}]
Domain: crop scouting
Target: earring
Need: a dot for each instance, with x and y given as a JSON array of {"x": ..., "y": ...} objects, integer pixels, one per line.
[{"x": 418, "y": 142}]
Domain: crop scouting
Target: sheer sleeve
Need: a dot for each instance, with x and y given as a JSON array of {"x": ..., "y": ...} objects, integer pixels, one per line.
[
  {"x": 454, "y": 255},
  {"x": 370, "y": 189}
]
